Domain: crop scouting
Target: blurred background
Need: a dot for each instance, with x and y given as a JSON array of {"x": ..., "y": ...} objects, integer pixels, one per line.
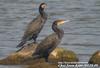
[{"x": 82, "y": 35}]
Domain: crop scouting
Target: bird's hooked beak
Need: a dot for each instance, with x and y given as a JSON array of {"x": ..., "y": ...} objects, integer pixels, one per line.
[
  {"x": 62, "y": 22},
  {"x": 66, "y": 21}
]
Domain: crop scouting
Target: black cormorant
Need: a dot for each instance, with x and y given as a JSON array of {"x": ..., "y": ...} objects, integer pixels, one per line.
[
  {"x": 50, "y": 42},
  {"x": 35, "y": 26}
]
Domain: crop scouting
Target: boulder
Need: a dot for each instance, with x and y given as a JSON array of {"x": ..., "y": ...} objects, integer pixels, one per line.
[
  {"x": 95, "y": 59},
  {"x": 42, "y": 65},
  {"x": 19, "y": 56},
  {"x": 24, "y": 56},
  {"x": 62, "y": 55}
]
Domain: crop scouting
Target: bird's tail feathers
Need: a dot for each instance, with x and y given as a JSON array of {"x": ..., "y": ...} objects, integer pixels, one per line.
[
  {"x": 21, "y": 44},
  {"x": 20, "y": 49}
]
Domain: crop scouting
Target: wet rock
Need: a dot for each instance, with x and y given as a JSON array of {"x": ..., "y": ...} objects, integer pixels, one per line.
[
  {"x": 95, "y": 59},
  {"x": 61, "y": 55}
]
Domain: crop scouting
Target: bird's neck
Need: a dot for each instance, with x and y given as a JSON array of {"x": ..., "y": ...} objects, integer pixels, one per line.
[
  {"x": 42, "y": 13},
  {"x": 58, "y": 31}
]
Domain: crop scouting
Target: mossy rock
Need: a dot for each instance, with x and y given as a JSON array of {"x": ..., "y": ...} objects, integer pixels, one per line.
[
  {"x": 19, "y": 56},
  {"x": 95, "y": 59},
  {"x": 42, "y": 65},
  {"x": 60, "y": 54},
  {"x": 24, "y": 56}
]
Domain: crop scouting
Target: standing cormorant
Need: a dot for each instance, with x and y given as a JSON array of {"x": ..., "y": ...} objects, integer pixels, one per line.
[
  {"x": 35, "y": 26},
  {"x": 50, "y": 42}
]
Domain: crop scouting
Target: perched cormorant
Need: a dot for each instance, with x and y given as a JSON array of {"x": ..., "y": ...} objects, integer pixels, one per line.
[
  {"x": 50, "y": 42},
  {"x": 35, "y": 26}
]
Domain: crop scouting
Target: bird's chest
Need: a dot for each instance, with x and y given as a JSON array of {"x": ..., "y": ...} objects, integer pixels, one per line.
[
  {"x": 37, "y": 25},
  {"x": 50, "y": 43}
]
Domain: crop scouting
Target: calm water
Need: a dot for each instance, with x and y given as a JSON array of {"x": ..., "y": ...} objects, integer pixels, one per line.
[{"x": 82, "y": 35}]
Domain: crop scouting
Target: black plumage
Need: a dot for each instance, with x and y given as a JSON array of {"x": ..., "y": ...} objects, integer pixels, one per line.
[
  {"x": 35, "y": 26},
  {"x": 50, "y": 42}
]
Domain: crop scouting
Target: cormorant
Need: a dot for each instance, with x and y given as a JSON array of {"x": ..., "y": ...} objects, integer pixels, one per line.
[
  {"x": 35, "y": 26},
  {"x": 50, "y": 42}
]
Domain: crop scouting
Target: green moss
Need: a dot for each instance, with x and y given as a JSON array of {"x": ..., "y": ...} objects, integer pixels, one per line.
[
  {"x": 60, "y": 54},
  {"x": 42, "y": 65},
  {"x": 24, "y": 56}
]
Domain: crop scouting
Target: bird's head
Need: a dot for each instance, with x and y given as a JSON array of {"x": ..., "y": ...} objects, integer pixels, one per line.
[
  {"x": 60, "y": 22},
  {"x": 43, "y": 5}
]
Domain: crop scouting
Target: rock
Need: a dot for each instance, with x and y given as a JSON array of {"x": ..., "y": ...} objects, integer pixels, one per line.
[
  {"x": 95, "y": 59},
  {"x": 38, "y": 63},
  {"x": 24, "y": 56},
  {"x": 60, "y": 54},
  {"x": 42, "y": 65},
  {"x": 19, "y": 56}
]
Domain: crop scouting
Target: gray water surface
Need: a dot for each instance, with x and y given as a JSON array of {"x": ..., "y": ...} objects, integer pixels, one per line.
[{"x": 82, "y": 34}]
